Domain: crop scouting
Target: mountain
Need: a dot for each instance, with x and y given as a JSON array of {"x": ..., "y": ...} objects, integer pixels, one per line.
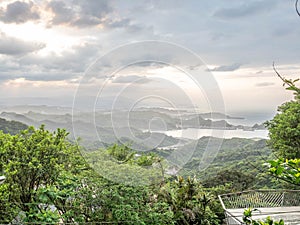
[
  {"x": 18, "y": 117},
  {"x": 217, "y": 115},
  {"x": 236, "y": 154},
  {"x": 259, "y": 126},
  {"x": 143, "y": 128},
  {"x": 11, "y": 127},
  {"x": 43, "y": 109},
  {"x": 199, "y": 122}
]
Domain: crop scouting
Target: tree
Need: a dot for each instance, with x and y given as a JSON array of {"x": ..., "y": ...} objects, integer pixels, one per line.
[
  {"x": 247, "y": 219},
  {"x": 284, "y": 128},
  {"x": 287, "y": 170},
  {"x": 31, "y": 161},
  {"x": 11, "y": 127},
  {"x": 188, "y": 201},
  {"x": 239, "y": 180},
  {"x": 47, "y": 181},
  {"x": 284, "y": 132}
]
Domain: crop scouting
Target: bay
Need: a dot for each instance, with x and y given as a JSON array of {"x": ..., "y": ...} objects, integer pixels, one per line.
[{"x": 194, "y": 133}]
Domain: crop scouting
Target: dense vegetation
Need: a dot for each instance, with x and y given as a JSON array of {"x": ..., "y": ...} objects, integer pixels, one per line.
[
  {"x": 47, "y": 180},
  {"x": 12, "y": 127},
  {"x": 237, "y": 163},
  {"x": 284, "y": 132}
]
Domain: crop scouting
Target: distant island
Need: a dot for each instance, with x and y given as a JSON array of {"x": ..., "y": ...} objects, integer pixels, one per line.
[
  {"x": 142, "y": 127},
  {"x": 217, "y": 115}
]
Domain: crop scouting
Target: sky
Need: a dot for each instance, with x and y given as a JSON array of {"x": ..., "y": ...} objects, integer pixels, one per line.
[{"x": 133, "y": 52}]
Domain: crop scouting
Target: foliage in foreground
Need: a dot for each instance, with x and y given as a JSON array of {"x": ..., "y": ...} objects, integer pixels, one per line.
[
  {"x": 47, "y": 181},
  {"x": 284, "y": 132},
  {"x": 287, "y": 170},
  {"x": 247, "y": 219}
]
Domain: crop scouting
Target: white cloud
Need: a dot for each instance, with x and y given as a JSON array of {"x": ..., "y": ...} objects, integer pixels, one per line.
[
  {"x": 245, "y": 9},
  {"x": 15, "y": 46},
  {"x": 265, "y": 84},
  {"x": 226, "y": 68},
  {"x": 131, "y": 79}
]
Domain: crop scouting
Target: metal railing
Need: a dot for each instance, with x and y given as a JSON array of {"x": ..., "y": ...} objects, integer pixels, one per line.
[
  {"x": 257, "y": 199},
  {"x": 260, "y": 198}
]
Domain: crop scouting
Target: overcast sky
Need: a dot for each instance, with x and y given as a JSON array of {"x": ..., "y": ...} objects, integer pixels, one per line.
[{"x": 46, "y": 48}]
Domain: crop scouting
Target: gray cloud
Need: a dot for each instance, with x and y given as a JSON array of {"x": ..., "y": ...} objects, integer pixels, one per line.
[
  {"x": 195, "y": 67},
  {"x": 125, "y": 23},
  {"x": 5, "y": 76},
  {"x": 226, "y": 68},
  {"x": 8, "y": 64},
  {"x": 86, "y": 21},
  {"x": 79, "y": 13},
  {"x": 19, "y": 12},
  {"x": 264, "y": 84},
  {"x": 75, "y": 61},
  {"x": 62, "y": 13},
  {"x": 150, "y": 64},
  {"x": 83, "y": 14},
  {"x": 132, "y": 79},
  {"x": 98, "y": 9},
  {"x": 58, "y": 76},
  {"x": 86, "y": 14},
  {"x": 68, "y": 66},
  {"x": 43, "y": 76},
  {"x": 247, "y": 9},
  {"x": 14, "y": 46}
]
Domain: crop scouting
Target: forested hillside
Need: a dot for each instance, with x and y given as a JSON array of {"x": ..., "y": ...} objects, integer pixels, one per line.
[
  {"x": 238, "y": 162},
  {"x": 12, "y": 127}
]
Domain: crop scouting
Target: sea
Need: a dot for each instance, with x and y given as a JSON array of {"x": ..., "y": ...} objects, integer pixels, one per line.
[
  {"x": 249, "y": 119},
  {"x": 194, "y": 133}
]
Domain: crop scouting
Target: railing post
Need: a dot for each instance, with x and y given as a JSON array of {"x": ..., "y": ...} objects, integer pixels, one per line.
[
  {"x": 222, "y": 203},
  {"x": 282, "y": 203}
]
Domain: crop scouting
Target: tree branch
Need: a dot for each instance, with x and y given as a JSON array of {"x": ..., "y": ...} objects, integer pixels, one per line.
[
  {"x": 296, "y": 6},
  {"x": 285, "y": 81},
  {"x": 269, "y": 173}
]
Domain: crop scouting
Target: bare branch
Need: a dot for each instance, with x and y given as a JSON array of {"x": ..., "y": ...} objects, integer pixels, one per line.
[
  {"x": 290, "y": 83},
  {"x": 279, "y": 75},
  {"x": 296, "y": 6}
]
